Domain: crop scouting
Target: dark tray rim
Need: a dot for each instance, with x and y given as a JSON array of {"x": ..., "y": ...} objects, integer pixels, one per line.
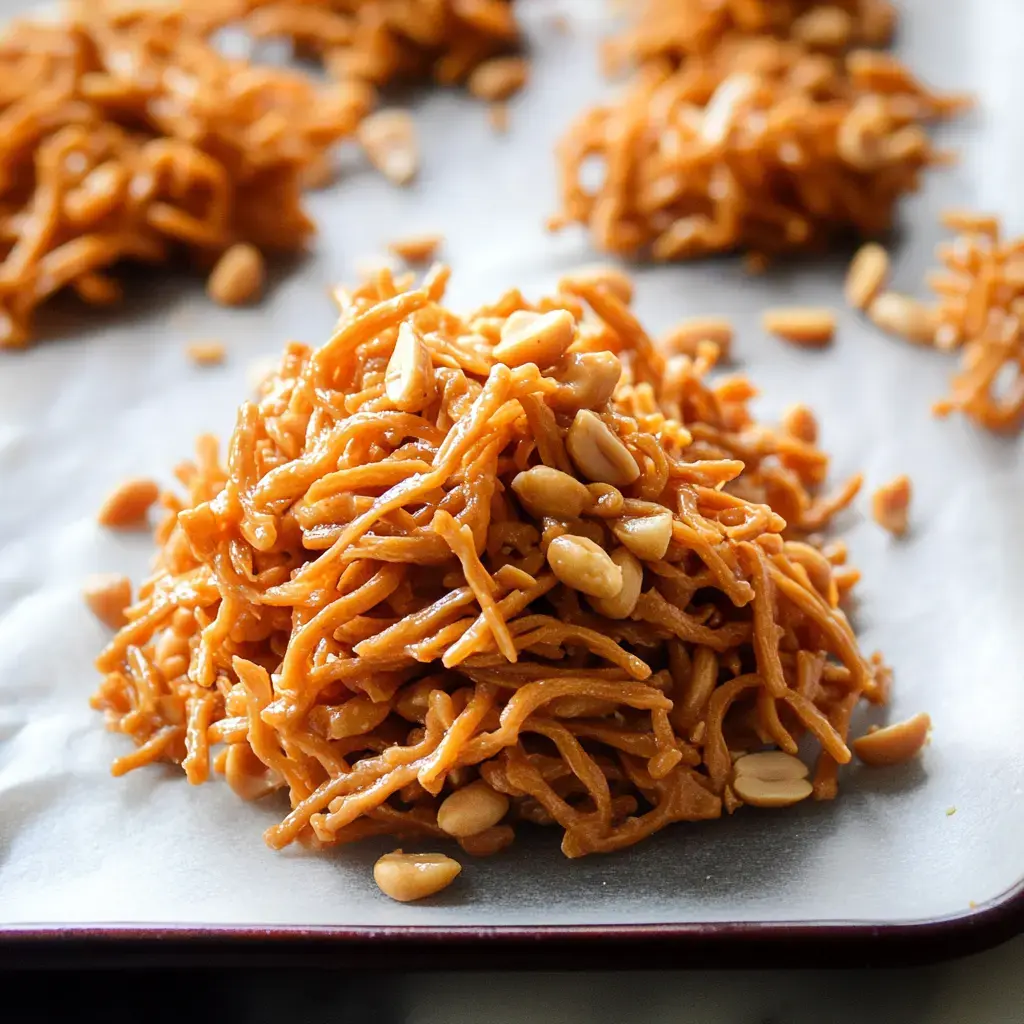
[{"x": 711, "y": 944}]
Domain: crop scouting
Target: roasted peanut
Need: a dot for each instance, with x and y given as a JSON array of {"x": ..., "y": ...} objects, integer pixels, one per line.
[
  {"x": 904, "y": 316},
  {"x": 107, "y": 596},
  {"x": 647, "y": 537},
  {"x": 809, "y": 328},
  {"x": 894, "y": 743},
  {"x": 409, "y": 378},
  {"x": 412, "y": 876},
  {"x": 771, "y": 779},
  {"x": 585, "y": 566},
  {"x": 128, "y": 504},
  {"x": 890, "y": 505},
  {"x": 622, "y": 604},
  {"x": 598, "y": 453},
  {"x": 471, "y": 810},
  {"x": 589, "y": 379},
  {"x": 867, "y": 275},
  {"x": 544, "y": 491},
  {"x": 539, "y": 338},
  {"x": 389, "y": 140},
  {"x": 237, "y": 277}
]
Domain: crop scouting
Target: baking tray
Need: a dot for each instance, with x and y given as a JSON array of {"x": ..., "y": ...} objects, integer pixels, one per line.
[{"x": 910, "y": 863}]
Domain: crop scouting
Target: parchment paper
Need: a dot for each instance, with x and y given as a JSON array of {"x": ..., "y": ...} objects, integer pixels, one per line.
[{"x": 109, "y": 395}]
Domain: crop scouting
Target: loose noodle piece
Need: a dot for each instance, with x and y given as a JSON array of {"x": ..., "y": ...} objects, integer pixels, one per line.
[
  {"x": 737, "y": 140},
  {"x": 125, "y": 135},
  {"x": 369, "y": 680}
]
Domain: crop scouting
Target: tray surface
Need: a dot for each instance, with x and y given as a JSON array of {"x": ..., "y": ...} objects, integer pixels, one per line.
[{"x": 114, "y": 396}]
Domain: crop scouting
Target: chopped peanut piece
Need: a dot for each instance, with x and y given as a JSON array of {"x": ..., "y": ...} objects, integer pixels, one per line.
[
  {"x": 107, "y": 595},
  {"x": 499, "y": 78},
  {"x": 798, "y": 421},
  {"x": 238, "y": 277},
  {"x": 539, "y": 338},
  {"x": 471, "y": 810},
  {"x": 894, "y": 744},
  {"x": 771, "y": 778},
  {"x": 128, "y": 504},
  {"x": 389, "y": 139},
  {"x": 205, "y": 353},
  {"x": 867, "y": 275},
  {"x": 902, "y": 315},
  {"x": 416, "y": 248},
  {"x": 890, "y": 505},
  {"x": 409, "y": 378},
  {"x": 585, "y": 566},
  {"x": 598, "y": 453},
  {"x": 412, "y": 876},
  {"x": 809, "y": 328}
]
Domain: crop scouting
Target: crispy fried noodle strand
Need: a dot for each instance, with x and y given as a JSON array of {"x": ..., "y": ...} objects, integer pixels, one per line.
[
  {"x": 749, "y": 126},
  {"x": 429, "y": 563},
  {"x": 125, "y": 135}
]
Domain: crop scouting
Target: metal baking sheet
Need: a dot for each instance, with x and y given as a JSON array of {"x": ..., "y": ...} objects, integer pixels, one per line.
[{"x": 111, "y": 395}]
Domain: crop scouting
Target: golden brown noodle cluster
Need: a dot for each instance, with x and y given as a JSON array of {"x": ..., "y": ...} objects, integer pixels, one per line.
[
  {"x": 761, "y": 145},
  {"x": 979, "y": 303},
  {"x": 382, "y": 41},
  {"x": 124, "y": 135},
  {"x": 677, "y": 29},
  {"x": 518, "y": 551},
  {"x": 979, "y": 309}
]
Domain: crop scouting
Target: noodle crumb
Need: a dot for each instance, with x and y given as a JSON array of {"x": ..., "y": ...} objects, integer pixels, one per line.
[
  {"x": 890, "y": 505},
  {"x": 206, "y": 353}
]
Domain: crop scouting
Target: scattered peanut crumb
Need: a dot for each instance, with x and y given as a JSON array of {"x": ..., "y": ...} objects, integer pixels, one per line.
[
  {"x": 890, "y": 505},
  {"x": 498, "y": 78},
  {"x": 893, "y": 744},
  {"x": 798, "y": 421},
  {"x": 867, "y": 276},
  {"x": 206, "y": 353},
  {"x": 238, "y": 276},
  {"x": 904, "y": 316},
  {"x": 389, "y": 139},
  {"x": 107, "y": 595},
  {"x": 808, "y": 328},
  {"x": 416, "y": 248},
  {"x": 128, "y": 503}
]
